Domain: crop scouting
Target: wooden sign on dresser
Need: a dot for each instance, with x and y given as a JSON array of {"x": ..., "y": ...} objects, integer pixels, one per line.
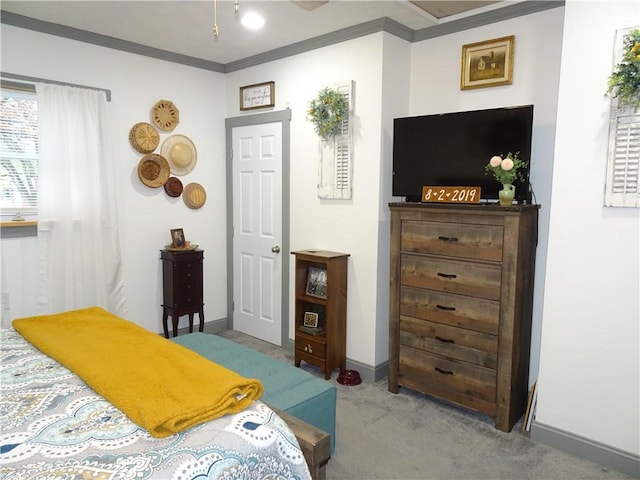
[{"x": 461, "y": 302}]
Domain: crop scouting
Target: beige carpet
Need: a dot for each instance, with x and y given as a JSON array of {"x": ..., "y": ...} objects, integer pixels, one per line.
[{"x": 381, "y": 435}]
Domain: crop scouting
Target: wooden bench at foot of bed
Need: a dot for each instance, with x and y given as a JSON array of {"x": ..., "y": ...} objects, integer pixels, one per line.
[
  {"x": 305, "y": 402},
  {"x": 314, "y": 443}
]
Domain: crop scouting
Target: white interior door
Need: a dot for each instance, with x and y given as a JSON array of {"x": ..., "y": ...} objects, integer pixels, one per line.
[{"x": 257, "y": 230}]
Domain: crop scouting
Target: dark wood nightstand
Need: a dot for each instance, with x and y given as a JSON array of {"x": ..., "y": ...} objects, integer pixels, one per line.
[{"x": 182, "y": 288}]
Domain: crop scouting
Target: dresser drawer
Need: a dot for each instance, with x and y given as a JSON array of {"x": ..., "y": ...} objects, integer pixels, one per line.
[
  {"x": 311, "y": 345},
  {"x": 468, "y": 385},
  {"x": 482, "y": 242},
  {"x": 452, "y": 342},
  {"x": 456, "y": 310},
  {"x": 453, "y": 276}
]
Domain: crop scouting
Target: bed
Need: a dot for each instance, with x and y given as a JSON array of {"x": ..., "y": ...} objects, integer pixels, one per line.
[{"x": 55, "y": 426}]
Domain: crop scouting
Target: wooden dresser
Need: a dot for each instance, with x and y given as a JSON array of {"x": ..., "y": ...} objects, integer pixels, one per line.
[
  {"x": 182, "y": 288},
  {"x": 460, "y": 304}
]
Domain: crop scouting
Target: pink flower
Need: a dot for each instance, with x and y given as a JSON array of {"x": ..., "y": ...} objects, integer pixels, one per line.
[
  {"x": 507, "y": 164},
  {"x": 495, "y": 161}
]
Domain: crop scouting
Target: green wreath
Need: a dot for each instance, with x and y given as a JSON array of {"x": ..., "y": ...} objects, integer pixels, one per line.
[
  {"x": 327, "y": 112},
  {"x": 624, "y": 82}
]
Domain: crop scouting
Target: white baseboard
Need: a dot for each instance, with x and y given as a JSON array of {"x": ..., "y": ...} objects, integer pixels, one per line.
[{"x": 591, "y": 450}]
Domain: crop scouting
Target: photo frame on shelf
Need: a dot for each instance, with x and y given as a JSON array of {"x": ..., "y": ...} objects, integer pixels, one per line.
[
  {"x": 310, "y": 319},
  {"x": 258, "y": 95},
  {"x": 487, "y": 64},
  {"x": 317, "y": 282},
  {"x": 177, "y": 238}
]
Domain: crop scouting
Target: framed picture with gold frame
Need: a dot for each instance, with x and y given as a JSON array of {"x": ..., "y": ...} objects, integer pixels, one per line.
[
  {"x": 487, "y": 64},
  {"x": 258, "y": 95}
]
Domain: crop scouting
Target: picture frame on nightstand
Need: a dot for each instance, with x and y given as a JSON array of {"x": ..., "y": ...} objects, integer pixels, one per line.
[
  {"x": 177, "y": 238},
  {"x": 310, "y": 319},
  {"x": 317, "y": 282}
]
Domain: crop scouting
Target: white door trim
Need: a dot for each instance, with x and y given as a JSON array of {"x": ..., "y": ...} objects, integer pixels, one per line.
[{"x": 284, "y": 117}]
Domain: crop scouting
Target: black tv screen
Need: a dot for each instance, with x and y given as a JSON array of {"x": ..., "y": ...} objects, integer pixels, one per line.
[{"x": 452, "y": 149}]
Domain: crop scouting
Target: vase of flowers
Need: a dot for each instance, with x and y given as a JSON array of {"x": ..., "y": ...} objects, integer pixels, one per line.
[
  {"x": 506, "y": 171},
  {"x": 507, "y": 194}
]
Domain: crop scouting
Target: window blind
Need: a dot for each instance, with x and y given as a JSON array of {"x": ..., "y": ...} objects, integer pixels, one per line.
[{"x": 18, "y": 151}]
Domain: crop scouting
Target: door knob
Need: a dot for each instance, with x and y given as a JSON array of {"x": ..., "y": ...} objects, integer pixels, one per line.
[{"x": 275, "y": 249}]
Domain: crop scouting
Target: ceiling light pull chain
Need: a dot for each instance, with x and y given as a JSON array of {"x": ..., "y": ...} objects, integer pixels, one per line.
[
  {"x": 236, "y": 7},
  {"x": 215, "y": 18}
]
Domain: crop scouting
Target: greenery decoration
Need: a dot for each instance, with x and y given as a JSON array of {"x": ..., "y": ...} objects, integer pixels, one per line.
[
  {"x": 624, "y": 82},
  {"x": 327, "y": 112},
  {"x": 506, "y": 170}
]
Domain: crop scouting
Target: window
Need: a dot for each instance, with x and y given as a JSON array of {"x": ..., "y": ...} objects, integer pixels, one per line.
[{"x": 18, "y": 152}]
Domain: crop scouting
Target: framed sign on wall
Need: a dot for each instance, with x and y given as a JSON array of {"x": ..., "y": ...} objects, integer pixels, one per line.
[{"x": 258, "y": 95}]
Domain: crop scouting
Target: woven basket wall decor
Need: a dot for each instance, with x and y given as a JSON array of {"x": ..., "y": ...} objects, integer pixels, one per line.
[
  {"x": 153, "y": 170},
  {"x": 194, "y": 196},
  {"x": 144, "y": 138},
  {"x": 165, "y": 115}
]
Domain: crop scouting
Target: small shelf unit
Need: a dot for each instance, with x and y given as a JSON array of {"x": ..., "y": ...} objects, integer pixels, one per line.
[{"x": 326, "y": 297}]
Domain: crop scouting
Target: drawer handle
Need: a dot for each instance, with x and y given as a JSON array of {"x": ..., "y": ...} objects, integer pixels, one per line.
[
  {"x": 445, "y": 340},
  {"x": 446, "y": 309},
  {"x": 448, "y": 239},
  {"x": 308, "y": 349},
  {"x": 444, "y": 372},
  {"x": 447, "y": 275}
]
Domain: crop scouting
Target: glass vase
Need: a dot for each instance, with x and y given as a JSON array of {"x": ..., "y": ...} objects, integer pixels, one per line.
[{"x": 506, "y": 195}]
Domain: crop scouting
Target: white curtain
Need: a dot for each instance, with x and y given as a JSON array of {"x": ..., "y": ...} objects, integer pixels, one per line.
[{"x": 79, "y": 264}]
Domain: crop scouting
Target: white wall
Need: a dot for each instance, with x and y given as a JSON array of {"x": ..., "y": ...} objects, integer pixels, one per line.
[
  {"x": 349, "y": 226},
  {"x": 395, "y": 103},
  {"x": 146, "y": 215},
  {"x": 589, "y": 383},
  {"x": 435, "y": 88}
]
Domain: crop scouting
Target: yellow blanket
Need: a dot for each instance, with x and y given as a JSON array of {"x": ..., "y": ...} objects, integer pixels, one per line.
[{"x": 161, "y": 386}]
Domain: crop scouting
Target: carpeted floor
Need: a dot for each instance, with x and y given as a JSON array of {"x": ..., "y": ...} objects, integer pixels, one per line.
[{"x": 381, "y": 435}]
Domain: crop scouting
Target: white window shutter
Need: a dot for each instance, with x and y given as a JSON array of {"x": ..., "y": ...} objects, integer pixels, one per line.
[
  {"x": 623, "y": 162},
  {"x": 336, "y": 161}
]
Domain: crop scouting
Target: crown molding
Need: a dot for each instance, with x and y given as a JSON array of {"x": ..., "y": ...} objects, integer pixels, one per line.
[
  {"x": 13, "y": 19},
  {"x": 374, "y": 26}
]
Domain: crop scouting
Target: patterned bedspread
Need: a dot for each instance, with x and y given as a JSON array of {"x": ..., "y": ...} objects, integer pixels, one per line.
[{"x": 54, "y": 426}]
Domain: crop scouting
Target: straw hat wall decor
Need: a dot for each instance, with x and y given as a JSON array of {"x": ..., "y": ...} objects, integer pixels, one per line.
[{"x": 181, "y": 154}]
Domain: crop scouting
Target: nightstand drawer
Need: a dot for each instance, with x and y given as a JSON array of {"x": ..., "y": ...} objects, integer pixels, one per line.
[
  {"x": 311, "y": 345},
  {"x": 482, "y": 242},
  {"x": 453, "y": 276},
  {"x": 455, "y": 343}
]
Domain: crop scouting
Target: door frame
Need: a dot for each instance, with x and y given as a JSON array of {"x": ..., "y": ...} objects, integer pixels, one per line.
[{"x": 284, "y": 118}]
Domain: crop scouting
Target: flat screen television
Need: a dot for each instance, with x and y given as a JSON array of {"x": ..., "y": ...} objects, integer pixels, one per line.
[{"x": 452, "y": 149}]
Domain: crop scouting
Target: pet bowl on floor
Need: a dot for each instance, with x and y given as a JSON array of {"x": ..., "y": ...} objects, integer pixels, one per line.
[{"x": 349, "y": 377}]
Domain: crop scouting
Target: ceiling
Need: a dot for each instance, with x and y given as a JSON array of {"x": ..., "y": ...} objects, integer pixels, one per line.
[{"x": 186, "y": 27}]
